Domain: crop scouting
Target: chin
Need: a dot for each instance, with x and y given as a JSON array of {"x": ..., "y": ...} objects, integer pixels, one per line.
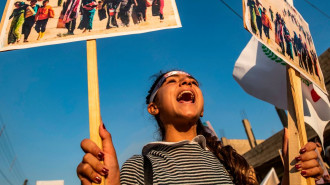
[{"x": 189, "y": 116}]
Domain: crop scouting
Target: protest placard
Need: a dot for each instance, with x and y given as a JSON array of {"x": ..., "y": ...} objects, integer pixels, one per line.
[
  {"x": 280, "y": 27},
  {"x": 32, "y": 23}
]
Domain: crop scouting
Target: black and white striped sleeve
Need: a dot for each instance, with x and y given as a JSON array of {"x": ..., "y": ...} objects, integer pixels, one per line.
[{"x": 132, "y": 171}]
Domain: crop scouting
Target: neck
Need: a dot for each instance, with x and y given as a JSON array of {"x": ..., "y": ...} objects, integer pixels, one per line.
[{"x": 177, "y": 133}]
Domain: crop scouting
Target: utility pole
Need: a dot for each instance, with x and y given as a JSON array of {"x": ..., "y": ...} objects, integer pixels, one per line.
[
  {"x": 25, "y": 182},
  {"x": 249, "y": 133}
]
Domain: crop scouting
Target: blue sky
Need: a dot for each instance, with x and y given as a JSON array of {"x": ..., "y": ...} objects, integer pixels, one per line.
[{"x": 43, "y": 91}]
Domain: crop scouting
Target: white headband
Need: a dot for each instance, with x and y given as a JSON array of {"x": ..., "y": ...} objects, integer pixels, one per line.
[{"x": 162, "y": 80}]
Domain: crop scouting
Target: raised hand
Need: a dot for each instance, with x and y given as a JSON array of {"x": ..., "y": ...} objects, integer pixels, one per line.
[{"x": 91, "y": 168}]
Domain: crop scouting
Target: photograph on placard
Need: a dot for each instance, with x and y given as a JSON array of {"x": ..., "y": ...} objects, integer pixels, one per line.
[
  {"x": 32, "y": 23},
  {"x": 283, "y": 30}
]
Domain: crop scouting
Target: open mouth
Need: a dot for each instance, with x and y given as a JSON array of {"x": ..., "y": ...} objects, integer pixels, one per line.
[{"x": 186, "y": 97}]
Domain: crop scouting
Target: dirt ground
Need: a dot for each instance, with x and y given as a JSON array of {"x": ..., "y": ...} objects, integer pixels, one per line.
[{"x": 99, "y": 27}]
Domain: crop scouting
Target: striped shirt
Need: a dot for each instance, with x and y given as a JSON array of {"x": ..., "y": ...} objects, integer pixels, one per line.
[{"x": 184, "y": 162}]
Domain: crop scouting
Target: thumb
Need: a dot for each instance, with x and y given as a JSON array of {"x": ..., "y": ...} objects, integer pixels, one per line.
[
  {"x": 110, "y": 157},
  {"x": 106, "y": 140},
  {"x": 285, "y": 142}
]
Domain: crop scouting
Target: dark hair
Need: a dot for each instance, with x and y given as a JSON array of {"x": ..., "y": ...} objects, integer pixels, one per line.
[{"x": 235, "y": 164}]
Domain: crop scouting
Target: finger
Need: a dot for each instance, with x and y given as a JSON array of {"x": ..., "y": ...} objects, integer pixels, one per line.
[
  {"x": 316, "y": 171},
  {"x": 308, "y": 147},
  {"x": 90, "y": 147},
  {"x": 95, "y": 164},
  {"x": 85, "y": 181},
  {"x": 319, "y": 147},
  {"x": 310, "y": 155},
  {"x": 106, "y": 141},
  {"x": 84, "y": 170},
  {"x": 307, "y": 164},
  {"x": 285, "y": 142}
]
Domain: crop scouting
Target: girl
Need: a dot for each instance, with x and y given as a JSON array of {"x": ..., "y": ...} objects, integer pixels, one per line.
[
  {"x": 30, "y": 13},
  {"x": 141, "y": 10},
  {"x": 44, "y": 13},
  {"x": 125, "y": 11},
  {"x": 88, "y": 11},
  {"x": 158, "y": 9},
  {"x": 69, "y": 14},
  {"x": 188, "y": 153},
  {"x": 18, "y": 20}
]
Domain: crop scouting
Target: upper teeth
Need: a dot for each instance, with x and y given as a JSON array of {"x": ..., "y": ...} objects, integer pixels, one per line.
[{"x": 183, "y": 92}]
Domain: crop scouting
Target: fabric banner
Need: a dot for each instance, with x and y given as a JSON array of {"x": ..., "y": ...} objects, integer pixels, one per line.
[
  {"x": 271, "y": 178},
  {"x": 32, "y": 23},
  {"x": 263, "y": 75},
  {"x": 279, "y": 26}
]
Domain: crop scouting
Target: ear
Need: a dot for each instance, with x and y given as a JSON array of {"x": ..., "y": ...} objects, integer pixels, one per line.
[
  {"x": 153, "y": 109},
  {"x": 202, "y": 113}
]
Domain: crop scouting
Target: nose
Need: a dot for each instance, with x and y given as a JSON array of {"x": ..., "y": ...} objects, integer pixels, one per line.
[{"x": 186, "y": 81}]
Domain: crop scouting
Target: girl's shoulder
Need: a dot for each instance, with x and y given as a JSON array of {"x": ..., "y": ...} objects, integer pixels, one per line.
[
  {"x": 134, "y": 159},
  {"x": 132, "y": 171}
]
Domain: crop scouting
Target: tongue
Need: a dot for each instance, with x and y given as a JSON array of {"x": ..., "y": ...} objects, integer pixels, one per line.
[{"x": 184, "y": 101}]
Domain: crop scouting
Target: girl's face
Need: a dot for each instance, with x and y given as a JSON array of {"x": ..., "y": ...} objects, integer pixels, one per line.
[{"x": 179, "y": 100}]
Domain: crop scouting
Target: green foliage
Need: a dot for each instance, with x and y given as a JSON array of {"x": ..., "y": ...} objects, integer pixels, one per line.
[
  {"x": 272, "y": 55},
  {"x": 277, "y": 59}
]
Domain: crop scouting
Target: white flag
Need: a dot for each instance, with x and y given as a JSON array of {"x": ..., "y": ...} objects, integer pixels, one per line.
[
  {"x": 271, "y": 178},
  {"x": 263, "y": 75}
]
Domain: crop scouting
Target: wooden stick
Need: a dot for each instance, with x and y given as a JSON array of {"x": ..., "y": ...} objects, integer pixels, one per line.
[
  {"x": 93, "y": 95},
  {"x": 4, "y": 15},
  {"x": 296, "y": 127}
]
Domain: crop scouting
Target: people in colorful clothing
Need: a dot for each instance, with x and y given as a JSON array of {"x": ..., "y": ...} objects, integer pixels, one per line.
[
  {"x": 69, "y": 14},
  {"x": 271, "y": 13},
  {"x": 18, "y": 20},
  {"x": 88, "y": 11},
  {"x": 279, "y": 32},
  {"x": 288, "y": 41},
  {"x": 44, "y": 13},
  {"x": 111, "y": 5},
  {"x": 259, "y": 20},
  {"x": 125, "y": 11},
  {"x": 141, "y": 10},
  {"x": 158, "y": 9},
  {"x": 30, "y": 12},
  {"x": 314, "y": 59},
  {"x": 252, "y": 5},
  {"x": 266, "y": 24}
]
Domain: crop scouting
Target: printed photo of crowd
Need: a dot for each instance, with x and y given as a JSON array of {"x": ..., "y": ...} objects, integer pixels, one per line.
[
  {"x": 33, "y": 21},
  {"x": 283, "y": 29}
]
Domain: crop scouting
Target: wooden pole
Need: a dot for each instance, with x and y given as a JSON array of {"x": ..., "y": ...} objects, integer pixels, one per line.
[
  {"x": 296, "y": 127},
  {"x": 4, "y": 15},
  {"x": 93, "y": 95}
]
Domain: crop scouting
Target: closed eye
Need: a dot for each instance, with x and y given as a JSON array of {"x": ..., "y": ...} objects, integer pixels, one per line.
[
  {"x": 171, "y": 81},
  {"x": 195, "y": 83}
]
